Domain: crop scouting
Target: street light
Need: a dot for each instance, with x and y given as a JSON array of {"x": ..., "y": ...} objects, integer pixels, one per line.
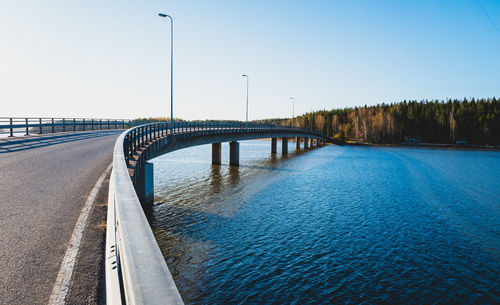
[
  {"x": 246, "y": 117},
  {"x": 171, "y": 71},
  {"x": 293, "y": 109},
  {"x": 312, "y": 116}
]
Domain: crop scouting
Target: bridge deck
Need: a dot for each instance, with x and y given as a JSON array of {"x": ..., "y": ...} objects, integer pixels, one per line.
[{"x": 44, "y": 183}]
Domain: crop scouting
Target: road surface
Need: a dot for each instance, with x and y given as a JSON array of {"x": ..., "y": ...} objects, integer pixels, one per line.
[{"x": 44, "y": 183}]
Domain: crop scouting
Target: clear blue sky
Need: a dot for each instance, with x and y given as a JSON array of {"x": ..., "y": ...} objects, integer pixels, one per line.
[{"x": 111, "y": 58}]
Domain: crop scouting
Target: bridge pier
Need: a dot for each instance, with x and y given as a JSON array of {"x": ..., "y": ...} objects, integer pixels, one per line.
[
  {"x": 216, "y": 153},
  {"x": 234, "y": 153},
  {"x": 145, "y": 184},
  {"x": 284, "y": 145},
  {"x": 297, "y": 143},
  {"x": 306, "y": 143},
  {"x": 274, "y": 143}
]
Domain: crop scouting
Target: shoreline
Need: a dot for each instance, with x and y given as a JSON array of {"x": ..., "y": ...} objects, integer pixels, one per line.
[
  {"x": 411, "y": 145},
  {"x": 426, "y": 145}
]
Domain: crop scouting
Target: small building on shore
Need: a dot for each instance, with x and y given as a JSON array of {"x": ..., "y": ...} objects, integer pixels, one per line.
[{"x": 412, "y": 139}]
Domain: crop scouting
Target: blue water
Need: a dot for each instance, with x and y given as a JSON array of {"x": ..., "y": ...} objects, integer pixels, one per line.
[{"x": 335, "y": 224}]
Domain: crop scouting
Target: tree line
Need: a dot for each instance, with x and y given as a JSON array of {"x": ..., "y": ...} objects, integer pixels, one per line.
[{"x": 474, "y": 121}]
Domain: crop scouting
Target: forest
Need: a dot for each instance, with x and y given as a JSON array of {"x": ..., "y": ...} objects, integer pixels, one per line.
[{"x": 467, "y": 121}]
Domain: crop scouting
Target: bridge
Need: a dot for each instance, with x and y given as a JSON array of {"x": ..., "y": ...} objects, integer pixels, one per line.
[{"x": 135, "y": 271}]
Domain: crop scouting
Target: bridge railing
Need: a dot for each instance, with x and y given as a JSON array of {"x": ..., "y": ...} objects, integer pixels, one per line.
[
  {"x": 136, "y": 272},
  {"x": 17, "y": 126},
  {"x": 142, "y": 136}
]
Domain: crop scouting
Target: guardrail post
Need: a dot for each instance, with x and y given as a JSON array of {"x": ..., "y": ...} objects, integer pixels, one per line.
[
  {"x": 27, "y": 131},
  {"x": 134, "y": 139},
  {"x": 52, "y": 125},
  {"x": 136, "y": 136},
  {"x": 64, "y": 125},
  {"x": 123, "y": 124},
  {"x": 11, "y": 128},
  {"x": 83, "y": 124},
  {"x": 130, "y": 145},
  {"x": 74, "y": 124},
  {"x": 92, "y": 124},
  {"x": 109, "y": 127},
  {"x": 40, "y": 120},
  {"x": 138, "y": 133}
]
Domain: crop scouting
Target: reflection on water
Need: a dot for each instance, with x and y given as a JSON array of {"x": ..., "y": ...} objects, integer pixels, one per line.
[{"x": 333, "y": 225}]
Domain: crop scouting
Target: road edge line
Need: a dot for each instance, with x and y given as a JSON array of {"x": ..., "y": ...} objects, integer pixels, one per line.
[{"x": 61, "y": 285}]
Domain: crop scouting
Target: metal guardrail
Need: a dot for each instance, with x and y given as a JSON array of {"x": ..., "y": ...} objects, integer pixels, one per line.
[
  {"x": 16, "y": 126},
  {"x": 136, "y": 272}
]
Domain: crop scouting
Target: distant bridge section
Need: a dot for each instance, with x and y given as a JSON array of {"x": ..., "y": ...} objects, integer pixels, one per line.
[
  {"x": 16, "y": 126},
  {"x": 136, "y": 271}
]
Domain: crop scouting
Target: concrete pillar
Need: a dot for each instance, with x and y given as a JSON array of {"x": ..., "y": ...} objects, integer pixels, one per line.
[
  {"x": 306, "y": 143},
  {"x": 216, "y": 153},
  {"x": 274, "y": 142},
  {"x": 145, "y": 185},
  {"x": 311, "y": 142},
  {"x": 234, "y": 153},
  {"x": 297, "y": 143},
  {"x": 284, "y": 145}
]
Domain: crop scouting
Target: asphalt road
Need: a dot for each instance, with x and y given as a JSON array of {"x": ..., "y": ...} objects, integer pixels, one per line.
[{"x": 44, "y": 183}]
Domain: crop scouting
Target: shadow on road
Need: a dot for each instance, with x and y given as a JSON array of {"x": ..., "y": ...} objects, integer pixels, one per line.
[{"x": 26, "y": 143}]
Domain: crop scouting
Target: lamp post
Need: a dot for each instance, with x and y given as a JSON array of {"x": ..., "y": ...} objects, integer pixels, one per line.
[
  {"x": 312, "y": 116},
  {"x": 293, "y": 109},
  {"x": 171, "y": 71},
  {"x": 246, "y": 116}
]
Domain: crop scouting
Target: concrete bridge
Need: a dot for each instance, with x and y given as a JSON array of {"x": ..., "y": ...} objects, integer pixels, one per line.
[{"x": 40, "y": 207}]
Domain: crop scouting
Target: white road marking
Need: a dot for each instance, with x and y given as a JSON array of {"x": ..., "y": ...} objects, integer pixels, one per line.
[{"x": 61, "y": 285}]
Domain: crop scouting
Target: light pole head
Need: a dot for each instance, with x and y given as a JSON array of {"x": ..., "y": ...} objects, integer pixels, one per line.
[{"x": 162, "y": 15}]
